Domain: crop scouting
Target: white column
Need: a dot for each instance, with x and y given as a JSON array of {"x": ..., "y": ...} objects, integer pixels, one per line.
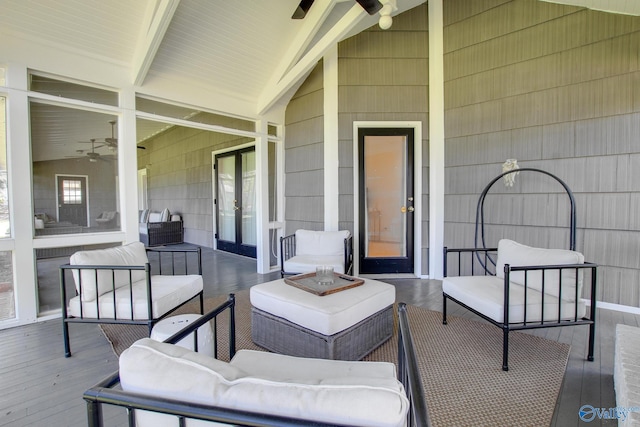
[
  {"x": 128, "y": 166},
  {"x": 20, "y": 197},
  {"x": 436, "y": 138},
  {"x": 262, "y": 198},
  {"x": 331, "y": 158}
]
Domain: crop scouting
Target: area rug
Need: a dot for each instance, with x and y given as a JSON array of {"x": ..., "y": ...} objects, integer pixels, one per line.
[{"x": 460, "y": 365}]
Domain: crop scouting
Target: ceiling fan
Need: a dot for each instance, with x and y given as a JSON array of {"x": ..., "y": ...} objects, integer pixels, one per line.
[
  {"x": 92, "y": 155},
  {"x": 371, "y": 6},
  {"x": 111, "y": 143}
]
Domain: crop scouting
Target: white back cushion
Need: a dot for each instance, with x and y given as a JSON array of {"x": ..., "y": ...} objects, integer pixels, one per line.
[
  {"x": 310, "y": 242},
  {"x": 133, "y": 254},
  {"x": 154, "y": 217},
  {"x": 519, "y": 255},
  {"x": 164, "y": 370}
]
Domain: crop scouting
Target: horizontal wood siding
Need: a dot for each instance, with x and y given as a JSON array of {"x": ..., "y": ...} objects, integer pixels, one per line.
[
  {"x": 383, "y": 76},
  {"x": 179, "y": 177},
  {"x": 557, "y": 88},
  {"x": 304, "y": 156}
]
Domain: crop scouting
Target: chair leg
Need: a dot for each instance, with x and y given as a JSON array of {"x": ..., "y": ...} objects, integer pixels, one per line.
[
  {"x": 592, "y": 338},
  {"x": 201, "y": 302},
  {"x": 444, "y": 309},
  {"x": 505, "y": 349},
  {"x": 65, "y": 335}
]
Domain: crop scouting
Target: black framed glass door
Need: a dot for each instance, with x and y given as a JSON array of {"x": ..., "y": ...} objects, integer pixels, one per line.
[
  {"x": 386, "y": 210},
  {"x": 235, "y": 202}
]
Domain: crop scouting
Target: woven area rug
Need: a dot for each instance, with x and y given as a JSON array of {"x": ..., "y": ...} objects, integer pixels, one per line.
[{"x": 460, "y": 365}]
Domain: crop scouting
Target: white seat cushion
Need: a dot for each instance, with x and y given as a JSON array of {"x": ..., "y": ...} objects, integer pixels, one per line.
[
  {"x": 167, "y": 291},
  {"x": 485, "y": 294},
  {"x": 308, "y": 263},
  {"x": 329, "y": 391},
  {"x": 327, "y": 314}
]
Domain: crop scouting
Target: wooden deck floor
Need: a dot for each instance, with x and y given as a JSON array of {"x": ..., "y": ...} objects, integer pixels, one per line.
[{"x": 40, "y": 387}]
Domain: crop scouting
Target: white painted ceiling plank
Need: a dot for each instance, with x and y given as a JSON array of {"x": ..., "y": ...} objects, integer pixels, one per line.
[{"x": 627, "y": 7}]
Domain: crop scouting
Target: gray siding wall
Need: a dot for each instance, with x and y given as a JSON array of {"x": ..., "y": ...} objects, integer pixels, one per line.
[
  {"x": 383, "y": 76},
  {"x": 303, "y": 156},
  {"x": 179, "y": 177},
  {"x": 556, "y": 87},
  {"x": 101, "y": 183}
]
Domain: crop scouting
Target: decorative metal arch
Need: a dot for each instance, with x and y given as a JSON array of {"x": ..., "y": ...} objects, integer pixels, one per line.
[{"x": 480, "y": 210}]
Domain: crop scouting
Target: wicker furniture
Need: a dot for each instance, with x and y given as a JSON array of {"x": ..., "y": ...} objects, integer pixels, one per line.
[
  {"x": 303, "y": 251},
  {"x": 626, "y": 373},
  {"x": 116, "y": 285},
  {"x": 160, "y": 228},
  {"x": 345, "y": 325},
  {"x": 259, "y": 388}
]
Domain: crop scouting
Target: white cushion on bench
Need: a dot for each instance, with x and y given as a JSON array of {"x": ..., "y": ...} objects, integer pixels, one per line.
[
  {"x": 355, "y": 393},
  {"x": 167, "y": 291},
  {"x": 327, "y": 314},
  {"x": 626, "y": 371}
]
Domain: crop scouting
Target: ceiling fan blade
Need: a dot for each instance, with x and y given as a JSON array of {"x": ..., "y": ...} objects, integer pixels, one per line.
[
  {"x": 302, "y": 9},
  {"x": 371, "y": 6}
]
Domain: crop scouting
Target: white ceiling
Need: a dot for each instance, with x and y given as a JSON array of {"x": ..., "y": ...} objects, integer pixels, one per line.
[{"x": 242, "y": 56}]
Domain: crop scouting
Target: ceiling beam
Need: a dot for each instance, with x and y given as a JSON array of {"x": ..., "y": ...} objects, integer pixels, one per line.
[
  {"x": 275, "y": 91},
  {"x": 160, "y": 14},
  {"x": 311, "y": 24}
]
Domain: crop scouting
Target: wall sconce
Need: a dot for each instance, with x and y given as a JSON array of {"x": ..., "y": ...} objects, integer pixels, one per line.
[
  {"x": 388, "y": 7},
  {"x": 510, "y": 178}
]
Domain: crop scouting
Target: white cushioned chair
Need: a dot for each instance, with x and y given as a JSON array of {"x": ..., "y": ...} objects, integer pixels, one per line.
[
  {"x": 116, "y": 285},
  {"x": 303, "y": 251},
  {"x": 531, "y": 288}
]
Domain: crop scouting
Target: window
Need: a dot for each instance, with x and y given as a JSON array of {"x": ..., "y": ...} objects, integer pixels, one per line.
[{"x": 72, "y": 192}]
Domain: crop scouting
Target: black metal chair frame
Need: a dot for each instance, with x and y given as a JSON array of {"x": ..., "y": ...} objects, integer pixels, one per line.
[
  {"x": 486, "y": 256},
  {"x": 545, "y": 269},
  {"x": 107, "y": 392},
  {"x": 288, "y": 250},
  {"x": 150, "y": 321}
]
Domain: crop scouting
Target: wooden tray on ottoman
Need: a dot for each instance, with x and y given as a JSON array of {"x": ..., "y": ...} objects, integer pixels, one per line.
[{"x": 309, "y": 283}]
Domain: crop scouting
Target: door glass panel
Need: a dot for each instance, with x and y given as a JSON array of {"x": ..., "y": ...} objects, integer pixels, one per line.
[
  {"x": 249, "y": 198},
  {"x": 226, "y": 198},
  {"x": 385, "y": 195}
]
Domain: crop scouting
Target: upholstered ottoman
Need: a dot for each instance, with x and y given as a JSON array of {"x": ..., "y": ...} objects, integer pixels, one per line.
[{"x": 345, "y": 325}]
